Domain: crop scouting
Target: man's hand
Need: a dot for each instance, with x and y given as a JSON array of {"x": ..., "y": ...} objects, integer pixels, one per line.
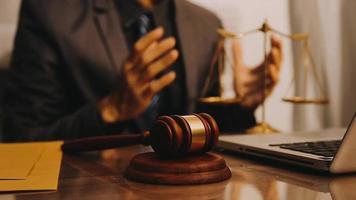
[
  {"x": 249, "y": 82},
  {"x": 138, "y": 82}
]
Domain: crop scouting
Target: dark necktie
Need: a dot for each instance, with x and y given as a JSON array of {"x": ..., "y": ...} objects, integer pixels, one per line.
[{"x": 144, "y": 122}]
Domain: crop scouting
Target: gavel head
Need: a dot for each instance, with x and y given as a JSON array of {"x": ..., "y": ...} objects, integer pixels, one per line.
[{"x": 180, "y": 135}]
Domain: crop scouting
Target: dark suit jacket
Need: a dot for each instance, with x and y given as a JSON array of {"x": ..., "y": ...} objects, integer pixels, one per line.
[{"x": 67, "y": 56}]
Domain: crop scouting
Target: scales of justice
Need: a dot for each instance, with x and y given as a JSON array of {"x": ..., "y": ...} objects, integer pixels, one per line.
[{"x": 301, "y": 97}]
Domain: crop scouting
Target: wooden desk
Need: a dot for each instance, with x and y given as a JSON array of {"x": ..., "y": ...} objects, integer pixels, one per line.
[{"x": 99, "y": 176}]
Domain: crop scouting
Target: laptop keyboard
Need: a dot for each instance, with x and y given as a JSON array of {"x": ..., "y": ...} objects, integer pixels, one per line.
[{"x": 320, "y": 148}]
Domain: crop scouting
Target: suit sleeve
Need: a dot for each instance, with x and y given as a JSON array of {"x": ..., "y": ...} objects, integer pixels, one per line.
[
  {"x": 36, "y": 106},
  {"x": 230, "y": 117}
]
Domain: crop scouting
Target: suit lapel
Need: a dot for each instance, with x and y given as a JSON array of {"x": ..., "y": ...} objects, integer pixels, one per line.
[
  {"x": 198, "y": 38},
  {"x": 186, "y": 28},
  {"x": 109, "y": 28}
]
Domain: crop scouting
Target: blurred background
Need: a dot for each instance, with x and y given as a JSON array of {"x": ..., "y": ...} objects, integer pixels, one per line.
[{"x": 332, "y": 41}]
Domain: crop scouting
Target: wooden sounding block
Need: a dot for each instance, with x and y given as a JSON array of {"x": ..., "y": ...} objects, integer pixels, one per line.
[{"x": 189, "y": 170}]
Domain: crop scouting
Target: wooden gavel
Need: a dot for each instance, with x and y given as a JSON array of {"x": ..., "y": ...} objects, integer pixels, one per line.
[{"x": 170, "y": 136}]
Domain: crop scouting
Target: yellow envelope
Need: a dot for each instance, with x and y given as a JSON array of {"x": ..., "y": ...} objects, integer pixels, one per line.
[
  {"x": 45, "y": 173},
  {"x": 16, "y": 160}
]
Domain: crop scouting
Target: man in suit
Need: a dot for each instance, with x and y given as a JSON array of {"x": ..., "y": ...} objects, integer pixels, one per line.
[{"x": 96, "y": 67}]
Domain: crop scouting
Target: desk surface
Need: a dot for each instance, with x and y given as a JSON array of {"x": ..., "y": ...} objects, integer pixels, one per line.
[{"x": 99, "y": 176}]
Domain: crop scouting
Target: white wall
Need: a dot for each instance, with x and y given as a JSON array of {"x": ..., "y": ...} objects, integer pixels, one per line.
[{"x": 244, "y": 15}]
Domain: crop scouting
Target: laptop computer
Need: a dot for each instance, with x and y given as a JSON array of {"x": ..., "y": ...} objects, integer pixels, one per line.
[{"x": 332, "y": 150}]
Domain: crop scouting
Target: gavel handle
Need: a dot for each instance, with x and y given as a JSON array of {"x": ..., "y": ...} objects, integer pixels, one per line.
[{"x": 102, "y": 142}]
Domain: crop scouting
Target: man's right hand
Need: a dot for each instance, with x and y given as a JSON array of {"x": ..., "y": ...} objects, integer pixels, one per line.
[{"x": 138, "y": 82}]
